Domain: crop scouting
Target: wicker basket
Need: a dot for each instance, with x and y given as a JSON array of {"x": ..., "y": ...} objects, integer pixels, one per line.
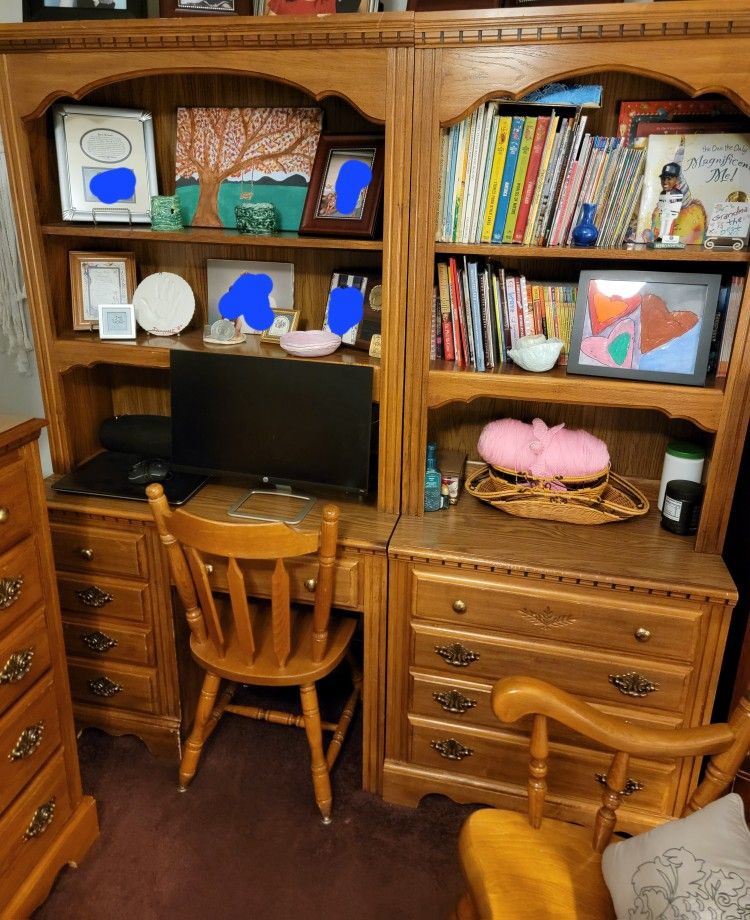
[
  {"x": 591, "y": 485},
  {"x": 616, "y": 500}
]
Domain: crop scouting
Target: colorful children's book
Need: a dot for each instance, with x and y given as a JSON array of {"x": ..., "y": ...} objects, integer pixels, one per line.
[
  {"x": 496, "y": 176},
  {"x": 529, "y": 184},
  {"x": 633, "y": 114},
  {"x": 511, "y": 159},
  {"x": 476, "y": 317},
  {"x": 519, "y": 178}
]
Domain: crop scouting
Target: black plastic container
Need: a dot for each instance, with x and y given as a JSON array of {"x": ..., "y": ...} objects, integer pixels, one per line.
[{"x": 682, "y": 506}]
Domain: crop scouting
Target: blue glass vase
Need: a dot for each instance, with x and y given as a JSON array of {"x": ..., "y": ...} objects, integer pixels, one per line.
[{"x": 585, "y": 233}]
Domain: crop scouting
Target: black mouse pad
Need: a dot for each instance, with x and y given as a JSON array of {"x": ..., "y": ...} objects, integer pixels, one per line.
[{"x": 106, "y": 475}]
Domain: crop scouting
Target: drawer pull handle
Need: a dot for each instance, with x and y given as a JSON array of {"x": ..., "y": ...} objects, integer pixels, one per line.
[
  {"x": 459, "y": 606},
  {"x": 28, "y": 741},
  {"x": 453, "y": 701},
  {"x": 631, "y": 786},
  {"x": 103, "y": 686},
  {"x": 17, "y": 666},
  {"x": 633, "y": 684},
  {"x": 456, "y": 654},
  {"x": 10, "y": 590},
  {"x": 4, "y": 515},
  {"x": 93, "y": 596},
  {"x": 311, "y": 584},
  {"x": 87, "y": 554},
  {"x": 642, "y": 634},
  {"x": 209, "y": 568},
  {"x": 98, "y": 641},
  {"x": 451, "y": 749},
  {"x": 41, "y": 821}
]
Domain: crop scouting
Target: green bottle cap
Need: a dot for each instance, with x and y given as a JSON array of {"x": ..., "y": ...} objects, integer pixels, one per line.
[{"x": 686, "y": 449}]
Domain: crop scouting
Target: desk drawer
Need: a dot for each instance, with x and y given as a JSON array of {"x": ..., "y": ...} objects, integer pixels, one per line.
[
  {"x": 113, "y": 686},
  {"x": 94, "y": 596},
  {"x": 15, "y": 503},
  {"x": 100, "y": 640},
  {"x": 28, "y": 735},
  {"x": 24, "y": 657},
  {"x": 588, "y": 674},
  {"x": 20, "y": 583},
  {"x": 85, "y": 548},
  {"x": 656, "y": 627}
]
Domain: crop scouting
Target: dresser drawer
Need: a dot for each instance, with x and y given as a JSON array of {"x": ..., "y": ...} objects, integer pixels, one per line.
[
  {"x": 591, "y": 675},
  {"x": 20, "y": 583},
  {"x": 24, "y": 657},
  {"x": 99, "y": 639},
  {"x": 15, "y": 504},
  {"x": 504, "y": 758},
  {"x": 85, "y": 548},
  {"x": 29, "y": 733},
  {"x": 114, "y": 686},
  {"x": 34, "y": 820},
  {"x": 658, "y": 627},
  {"x": 117, "y": 600}
]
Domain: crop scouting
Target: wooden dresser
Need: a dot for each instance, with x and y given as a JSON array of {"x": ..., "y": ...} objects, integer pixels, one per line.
[{"x": 45, "y": 820}]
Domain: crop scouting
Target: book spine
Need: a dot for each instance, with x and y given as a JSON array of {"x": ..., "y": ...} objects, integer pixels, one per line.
[
  {"x": 460, "y": 177},
  {"x": 445, "y": 312},
  {"x": 736, "y": 288},
  {"x": 476, "y": 319},
  {"x": 471, "y": 164},
  {"x": 437, "y": 326},
  {"x": 489, "y": 354},
  {"x": 519, "y": 178},
  {"x": 496, "y": 176},
  {"x": 501, "y": 305},
  {"x": 509, "y": 169},
  {"x": 485, "y": 163},
  {"x": 455, "y": 287},
  {"x": 568, "y": 155},
  {"x": 549, "y": 179},
  {"x": 532, "y": 171},
  {"x": 433, "y": 333},
  {"x": 466, "y": 307},
  {"x": 443, "y": 178},
  {"x": 450, "y": 182},
  {"x": 510, "y": 299},
  {"x": 549, "y": 144}
]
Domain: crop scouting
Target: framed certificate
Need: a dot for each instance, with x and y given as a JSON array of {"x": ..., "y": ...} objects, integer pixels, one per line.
[
  {"x": 106, "y": 163},
  {"x": 97, "y": 278}
]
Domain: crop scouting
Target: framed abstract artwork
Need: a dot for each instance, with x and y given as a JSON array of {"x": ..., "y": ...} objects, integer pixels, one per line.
[{"x": 644, "y": 325}]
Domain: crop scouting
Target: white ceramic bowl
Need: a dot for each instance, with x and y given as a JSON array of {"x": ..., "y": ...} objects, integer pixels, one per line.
[
  {"x": 310, "y": 343},
  {"x": 536, "y": 353}
]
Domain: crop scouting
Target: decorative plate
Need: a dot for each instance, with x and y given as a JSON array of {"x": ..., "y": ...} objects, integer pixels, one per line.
[
  {"x": 164, "y": 304},
  {"x": 311, "y": 343}
]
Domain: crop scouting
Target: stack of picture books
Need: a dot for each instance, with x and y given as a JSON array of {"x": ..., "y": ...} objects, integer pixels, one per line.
[
  {"x": 480, "y": 311},
  {"x": 523, "y": 178},
  {"x": 725, "y": 325}
]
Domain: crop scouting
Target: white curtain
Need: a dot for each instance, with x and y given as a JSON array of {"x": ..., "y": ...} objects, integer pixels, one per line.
[{"x": 14, "y": 329}]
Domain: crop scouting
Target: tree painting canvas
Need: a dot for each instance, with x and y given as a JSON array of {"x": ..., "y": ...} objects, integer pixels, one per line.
[{"x": 228, "y": 156}]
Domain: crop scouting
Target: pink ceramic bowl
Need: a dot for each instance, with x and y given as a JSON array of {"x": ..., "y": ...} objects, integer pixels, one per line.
[{"x": 310, "y": 343}]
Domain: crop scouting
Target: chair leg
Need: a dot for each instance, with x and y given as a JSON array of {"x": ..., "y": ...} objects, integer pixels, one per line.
[
  {"x": 320, "y": 775},
  {"x": 195, "y": 742}
]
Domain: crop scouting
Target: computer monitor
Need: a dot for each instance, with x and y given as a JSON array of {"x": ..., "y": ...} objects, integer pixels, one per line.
[{"x": 285, "y": 422}]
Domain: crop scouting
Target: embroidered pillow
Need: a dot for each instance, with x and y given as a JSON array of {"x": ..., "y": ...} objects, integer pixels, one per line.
[{"x": 694, "y": 868}]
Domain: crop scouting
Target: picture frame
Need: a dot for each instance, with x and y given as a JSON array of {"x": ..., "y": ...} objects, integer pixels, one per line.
[
  {"x": 222, "y": 274},
  {"x": 99, "y": 277},
  {"x": 53, "y": 11},
  {"x": 320, "y": 215},
  {"x": 106, "y": 163},
  {"x": 170, "y": 8},
  {"x": 644, "y": 325},
  {"x": 313, "y": 7},
  {"x": 116, "y": 321},
  {"x": 369, "y": 283},
  {"x": 284, "y": 321}
]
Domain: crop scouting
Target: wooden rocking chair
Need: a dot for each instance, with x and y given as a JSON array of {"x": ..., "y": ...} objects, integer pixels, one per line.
[
  {"x": 248, "y": 643},
  {"x": 522, "y": 868}
]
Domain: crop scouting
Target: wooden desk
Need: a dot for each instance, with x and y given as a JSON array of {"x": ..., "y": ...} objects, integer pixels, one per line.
[{"x": 128, "y": 656}]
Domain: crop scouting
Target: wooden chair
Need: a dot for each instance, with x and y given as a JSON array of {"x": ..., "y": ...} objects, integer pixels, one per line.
[
  {"x": 244, "y": 642},
  {"x": 522, "y": 868}
]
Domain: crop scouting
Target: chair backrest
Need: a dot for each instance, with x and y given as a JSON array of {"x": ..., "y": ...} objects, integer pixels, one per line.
[
  {"x": 196, "y": 546},
  {"x": 516, "y": 697}
]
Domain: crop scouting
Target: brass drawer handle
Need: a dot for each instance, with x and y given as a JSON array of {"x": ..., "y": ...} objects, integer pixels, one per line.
[
  {"x": 451, "y": 749},
  {"x": 631, "y": 786},
  {"x": 28, "y": 741},
  {"x": 41, "y": 821},
  {"x": 456, "y": 654},
  {"x": 87, "y": 554},
  {"x": 4, "y": 515},
  {"x": 453, "y": 701},
  {"x": 633, "y": 684},
  {"x": 459, "y": 606},
  {"x": 93, "y": 596},
  {"x": 642, "y": 634},
  {"x": 98, "y": 641},
  {"x": 10, "y": 590},
  {"x": 311, "y": 584},
  {"x": 103, "y": 686},
  {"x": 17, "y": 666}
]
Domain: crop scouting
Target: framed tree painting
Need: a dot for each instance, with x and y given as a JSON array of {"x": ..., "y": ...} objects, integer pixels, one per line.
[
  {"x": 225, "y": 156},
  {"x": 47, "y": 10}
]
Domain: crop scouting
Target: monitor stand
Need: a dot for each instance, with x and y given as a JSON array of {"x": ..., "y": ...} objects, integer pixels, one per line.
[{"x": 279, "y": 505}]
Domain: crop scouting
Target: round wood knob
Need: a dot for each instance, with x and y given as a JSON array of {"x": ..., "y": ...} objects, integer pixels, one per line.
[
  {"x": 87, "y": 554},
  {"x": 311, "y": 584},
  {"x": 459, "y": 606},
  {"x": 4, "y": 515},
  {"x": 642, "y": 634}
]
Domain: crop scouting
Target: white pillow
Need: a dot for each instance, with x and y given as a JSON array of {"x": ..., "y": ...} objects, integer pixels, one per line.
[{"x": 694, "y": 868}]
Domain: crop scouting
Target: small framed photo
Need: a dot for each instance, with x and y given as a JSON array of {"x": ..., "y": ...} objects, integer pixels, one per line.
[
  {"x": 99, "y": 277},
  {"x": 106, "y": 163},
  {"x": 313, "y": 7},
  {"x": 644, "y": 325},
  {"x": 46, "y": 10},
  {"x": 283, "y": 321},
  {"x": 116, "y": 321},
  {"x": 368, "y": 284},
  {"x": 729, "y": 225},
  {"x": 205, "y": 7},
  {"x": 245, "y": 291},
  {"x": 346, "y": 186}
]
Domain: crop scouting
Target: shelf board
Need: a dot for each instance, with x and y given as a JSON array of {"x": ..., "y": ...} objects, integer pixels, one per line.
[
  {"x": 701, "y": 405},
  {"x": 634, "y": 252},
  {"x": 215, "y": 235},
  {"x": 85, "y": 349}
]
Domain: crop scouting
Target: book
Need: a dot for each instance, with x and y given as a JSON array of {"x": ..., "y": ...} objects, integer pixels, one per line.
[
  {"x": 453, "y": 135},
  {"x": 496, "y": 176},
  {"x": 568, "y": 153},
  {"x": 634, "y": 113},
  {"x": 445, "y": 312},
  {"x": 519, "y": 178},
  {"x": 470, "y": 174},
  {"x": 476, "y": 317},
  {"x": 509, "y": 170},
  {"x": 549, "y": 178},
  {"x": 734, "y": 301},
  {"x": 703, "y": 170},
  {"x": 529, "y": 185},
  {"x": 463, "y": 276},
  {"x": 539, "y": 185},
  {"x": 459, "y": 182},
  {"x": 484, "y": 167},
  {"x": 455, "y": 287}
]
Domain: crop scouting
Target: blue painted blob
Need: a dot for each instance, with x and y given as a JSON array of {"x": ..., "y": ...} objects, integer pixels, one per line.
[
  {"x": 248, "y": 297},
  {"x": 352, "y": 178},
  {"x": 345, "y": 308},
  {"x": 113, "y": 185}
]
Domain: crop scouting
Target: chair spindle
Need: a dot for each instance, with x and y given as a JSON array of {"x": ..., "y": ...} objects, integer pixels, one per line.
[
  {"x": 206, "y": 598},
  {"x": 324, "y": 591},
  {"x": 281, "y": 613},
  {"x": 537, "y": 785},
  {"x": 240, "y": 609},
  {"x": 606, "y": 817}
]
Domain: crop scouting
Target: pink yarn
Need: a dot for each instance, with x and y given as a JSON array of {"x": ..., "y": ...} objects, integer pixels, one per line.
[{"x": 540, "y": 450}]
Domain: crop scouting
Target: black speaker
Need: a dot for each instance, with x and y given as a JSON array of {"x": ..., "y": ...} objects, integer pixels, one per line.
[{"x": 147, "y": 435}]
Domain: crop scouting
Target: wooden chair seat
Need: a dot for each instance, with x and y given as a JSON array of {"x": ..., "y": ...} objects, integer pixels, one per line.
[{"x": 555, "y": 862}]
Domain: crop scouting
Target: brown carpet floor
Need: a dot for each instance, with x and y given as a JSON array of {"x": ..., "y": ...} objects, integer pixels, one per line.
[{"x": 246, "y": 841}]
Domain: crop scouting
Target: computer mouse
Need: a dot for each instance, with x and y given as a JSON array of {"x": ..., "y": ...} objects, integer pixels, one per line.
[
  {"x": 149, "y": 470},
  {"x": 157, "y": 470}
]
